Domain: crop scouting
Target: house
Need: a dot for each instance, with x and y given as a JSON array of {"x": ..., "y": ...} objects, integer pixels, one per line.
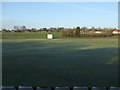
[
  {"x": 98, "y": 32},
  {"x": 116, "y": 31}
]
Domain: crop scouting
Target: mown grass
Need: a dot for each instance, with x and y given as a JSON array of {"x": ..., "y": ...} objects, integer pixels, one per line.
[
  {"x": 28, "y": 35},
  {"x": 60, "y": 62},
  {"x": 43, "y": 35}
]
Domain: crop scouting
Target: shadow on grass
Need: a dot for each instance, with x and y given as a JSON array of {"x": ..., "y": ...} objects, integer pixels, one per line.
[{"x": 55, "y": 64}]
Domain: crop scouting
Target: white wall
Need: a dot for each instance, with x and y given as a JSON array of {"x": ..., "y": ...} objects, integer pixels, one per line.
[{"x": 50, "y": 36}]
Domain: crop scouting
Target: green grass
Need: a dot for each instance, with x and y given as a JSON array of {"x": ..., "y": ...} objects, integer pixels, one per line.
[
  {"x": 60, "y": 62},
  {"x": 28, "y": 35},
  {"x": 43, "y": 35}
]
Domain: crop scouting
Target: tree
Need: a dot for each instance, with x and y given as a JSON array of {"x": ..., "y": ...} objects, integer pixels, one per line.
[
  {"x": 60, "y": 29},
  {"x": 99, "y": 28},
  {"x": 84, "y": 29},
  {"x": 71, "y": 33},
  {"x": 77, "y": 32},
  {"x": 33, "y": 29},
  {"x": 43, "y": 29},
  {"x": 109, "y": 33},
  {"x": 4, "y": 30},
  {"x": 23, "y": 28},
  {"x": 93, "y": 29},
  {"x": 52, "y": 29},
  {"x": 16, "y": 28},
  {"x": 64, "y": 33}
]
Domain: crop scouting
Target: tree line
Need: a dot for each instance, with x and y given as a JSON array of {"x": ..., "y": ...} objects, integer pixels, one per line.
[
  {"x": 69, "y": 32},
  {"x": 83, "y": 32},
  {"x": 24, "y": 29}
]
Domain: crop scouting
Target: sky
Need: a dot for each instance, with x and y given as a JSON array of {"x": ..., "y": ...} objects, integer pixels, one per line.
[{"x": 59, "y": 14}]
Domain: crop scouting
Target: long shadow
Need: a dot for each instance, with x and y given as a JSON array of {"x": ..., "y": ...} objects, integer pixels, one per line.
[{"x": 52, "y": 64}]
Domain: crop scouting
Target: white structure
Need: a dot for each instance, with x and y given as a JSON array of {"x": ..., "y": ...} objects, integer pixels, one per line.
[
  {"x": 99, "y": 32},
  {"x": 49, "y": 36},
  {"x": 116, "y": 32}
]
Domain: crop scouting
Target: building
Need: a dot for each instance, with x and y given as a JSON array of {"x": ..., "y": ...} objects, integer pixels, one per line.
[
  {"x": 50, "y": 36},
  {"x": 116, "y": 31},
  {"x": 99, "y": 32}
]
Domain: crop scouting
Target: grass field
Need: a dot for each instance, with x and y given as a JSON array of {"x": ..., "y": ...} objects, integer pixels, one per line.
[
  {"x": 60, "y": 62},
  {"x": 29, "y": 35}
]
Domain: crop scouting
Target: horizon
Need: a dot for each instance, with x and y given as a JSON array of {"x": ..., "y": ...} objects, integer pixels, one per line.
[
  {"x": 60, "y": 27},
  {"x": 60, "y": 14}
]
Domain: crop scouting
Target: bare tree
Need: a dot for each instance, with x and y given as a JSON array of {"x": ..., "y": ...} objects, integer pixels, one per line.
[
  {"x": 16, "y": 28},
  {"x": 23, "y": 28}
]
